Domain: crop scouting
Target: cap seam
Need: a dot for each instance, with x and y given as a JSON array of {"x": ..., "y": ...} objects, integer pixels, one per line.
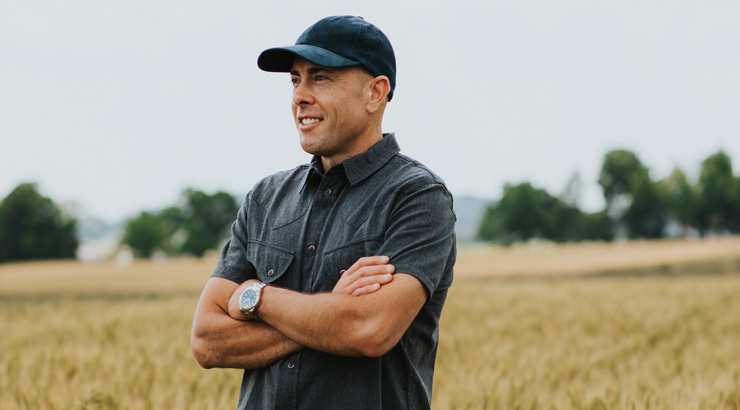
[{"x": 354, "y": 43}]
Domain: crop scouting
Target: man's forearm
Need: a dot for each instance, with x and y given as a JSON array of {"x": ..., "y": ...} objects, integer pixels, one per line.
[
  {"x": 365, "y": 315},
  {"x": 220, "y": 341},
  {"x": 311, "y": 318},
  {"x": 229, "y": 343},
  {"x": 342, "y": 324}
]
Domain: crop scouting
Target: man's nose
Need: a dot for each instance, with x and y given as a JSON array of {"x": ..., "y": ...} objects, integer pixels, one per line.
[{"x": 302, "y": 94}]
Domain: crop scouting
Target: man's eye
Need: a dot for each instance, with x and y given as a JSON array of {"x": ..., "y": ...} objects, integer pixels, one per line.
[
  {"x": 295, "y": 81},
  {"x": 319, "y": 78}
]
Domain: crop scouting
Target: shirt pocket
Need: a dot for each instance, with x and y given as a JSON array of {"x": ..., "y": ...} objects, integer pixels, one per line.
[
  {"x": 270, "y": 261},
  {"x": 336, "y": 261}
]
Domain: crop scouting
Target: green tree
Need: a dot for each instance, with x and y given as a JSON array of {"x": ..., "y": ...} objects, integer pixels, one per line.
[
  {"x": 173, "y": 223},
  {"x": 525, "y": 212},
  {"x": 719, "y": 202},
  {"x": 206, "y": 220},
  {"x": 681, "y": 198},
  {"x": 597, "y": 227},
  {"x": 145, "y": 234},
  {"x": 617, "y": 172},
  {"x": 33, "y": 227},
  {"x": 647, "y": 212},
  {"x": 200, "y": 224}
]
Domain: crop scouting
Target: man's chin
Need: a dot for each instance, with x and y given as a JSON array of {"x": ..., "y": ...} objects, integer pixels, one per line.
[{"x": 310, "y": 144}]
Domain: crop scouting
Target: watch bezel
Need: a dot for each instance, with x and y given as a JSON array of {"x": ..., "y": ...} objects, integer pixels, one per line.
[{"x": 251, "y": 311}]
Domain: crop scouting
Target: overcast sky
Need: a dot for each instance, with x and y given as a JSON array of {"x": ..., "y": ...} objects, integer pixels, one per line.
[{"x": 118, "y": 106}]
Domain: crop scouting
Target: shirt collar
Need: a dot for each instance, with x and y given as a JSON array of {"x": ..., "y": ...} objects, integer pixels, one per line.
[
  {"x": 360, "y": 166},
  {"x": 363, "y": 165},
  {"x": 314, "y": 168}
]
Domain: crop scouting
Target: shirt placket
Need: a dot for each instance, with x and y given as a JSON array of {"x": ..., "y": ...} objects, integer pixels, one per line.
[{"x": 324, "y": 198}]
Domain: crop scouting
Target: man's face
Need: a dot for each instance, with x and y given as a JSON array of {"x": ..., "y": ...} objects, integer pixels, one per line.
[{"x": 330, "y": 109}]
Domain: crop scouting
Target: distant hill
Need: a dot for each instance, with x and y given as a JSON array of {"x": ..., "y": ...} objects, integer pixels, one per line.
[{"x": 469, "y": 211}]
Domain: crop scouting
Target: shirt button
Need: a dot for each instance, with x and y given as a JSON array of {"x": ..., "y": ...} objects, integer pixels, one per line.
[
  {"x": 291, "y": 365},
  {"x": 270, "y": 272},
  {"x": 327, "y": 191},
  {"x": 311, "y": 248}
]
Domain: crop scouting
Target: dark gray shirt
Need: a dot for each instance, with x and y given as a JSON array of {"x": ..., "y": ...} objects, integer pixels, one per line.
[{"x": 299, "y": 229}]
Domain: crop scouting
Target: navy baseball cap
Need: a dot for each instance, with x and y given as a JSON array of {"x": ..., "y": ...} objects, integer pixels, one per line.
[{"x": 337, "y": 41}]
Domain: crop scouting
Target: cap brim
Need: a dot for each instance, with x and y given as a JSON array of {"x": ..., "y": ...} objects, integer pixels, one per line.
[{"x": 280, "y": 59}]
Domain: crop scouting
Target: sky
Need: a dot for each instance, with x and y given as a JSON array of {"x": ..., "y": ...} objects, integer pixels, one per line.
[{"x": 114, "y": 107}]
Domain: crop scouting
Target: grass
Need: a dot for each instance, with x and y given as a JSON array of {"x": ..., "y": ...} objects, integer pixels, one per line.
[{"x": 101, "y": 336}]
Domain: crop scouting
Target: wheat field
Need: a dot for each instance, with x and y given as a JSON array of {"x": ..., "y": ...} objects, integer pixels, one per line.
[{"x": 658, "y": 335}]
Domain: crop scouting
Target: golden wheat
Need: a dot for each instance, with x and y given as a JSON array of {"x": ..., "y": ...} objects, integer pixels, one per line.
[
  {"x": 101, "y": 336},
  {"x": 611, "y": 343}
]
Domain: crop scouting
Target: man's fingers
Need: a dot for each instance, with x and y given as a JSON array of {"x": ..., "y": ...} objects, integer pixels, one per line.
[
  {"x": 369, "y": 261},
  {"x": 366, "y": 290},
  {"x": 369, "y": 284},
  {"x": 365, "y": 276},
  {"x": 372, "y": 270}
]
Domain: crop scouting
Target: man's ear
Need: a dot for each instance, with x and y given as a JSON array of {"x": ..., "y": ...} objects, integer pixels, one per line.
[{"x": 380, "y": 87}]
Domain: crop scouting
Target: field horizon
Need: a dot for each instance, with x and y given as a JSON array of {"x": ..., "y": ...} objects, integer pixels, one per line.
[{"x": 478, "y": 260}]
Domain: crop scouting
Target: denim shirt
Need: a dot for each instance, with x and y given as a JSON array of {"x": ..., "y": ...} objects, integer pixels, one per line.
[{"x": 299, "y": 229}]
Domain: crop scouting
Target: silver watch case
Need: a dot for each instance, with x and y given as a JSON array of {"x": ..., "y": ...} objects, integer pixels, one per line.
[{"x": 250, "y": 299}]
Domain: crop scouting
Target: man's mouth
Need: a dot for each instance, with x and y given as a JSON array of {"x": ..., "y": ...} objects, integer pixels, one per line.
[{"x": 310, "y": 120}]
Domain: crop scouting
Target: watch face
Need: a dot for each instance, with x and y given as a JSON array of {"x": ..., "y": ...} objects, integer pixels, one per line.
[{"x": 248, "y": 299}]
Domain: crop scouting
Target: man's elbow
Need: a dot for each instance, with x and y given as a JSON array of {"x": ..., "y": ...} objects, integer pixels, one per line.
[
  {"x": 375, "y": 342},
  {"x": 204, "y": 354}
]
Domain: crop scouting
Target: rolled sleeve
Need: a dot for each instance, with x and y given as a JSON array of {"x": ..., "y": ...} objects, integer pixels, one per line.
[
  {"x": 420, "y": 238},
  {"x": 233, "y": 263}
]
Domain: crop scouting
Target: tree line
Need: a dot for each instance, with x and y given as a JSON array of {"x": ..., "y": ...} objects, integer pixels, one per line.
[
  {"x": 636, "y": 206},
  {"x": 32, "y": 226}
]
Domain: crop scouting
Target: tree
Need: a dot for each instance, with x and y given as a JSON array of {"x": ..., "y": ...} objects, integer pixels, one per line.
[
  {"x": 525, "y": 212},
  {"x": 33, "y": 227},
  {"x": 597, "y": 227},
  {"x": 518, "y": 216},
  {"x": 647, "y": 212},
  {"x": 200, "y": 224},
  {"x": 206, "y": 220},
  {"x": 719, "y": 200},
  {"x": 681, "y": 199},
  {"x": 145, "y": 234},
  {"x": 617, "y": 172}
]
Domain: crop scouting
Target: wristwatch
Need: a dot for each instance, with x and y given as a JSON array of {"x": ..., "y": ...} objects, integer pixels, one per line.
[{"x": 250, "y": 299}]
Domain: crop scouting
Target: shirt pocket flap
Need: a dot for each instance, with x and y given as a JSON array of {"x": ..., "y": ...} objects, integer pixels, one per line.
[
  {"x": 337, "y": 260},
  {"x": 270, "y": 262}
]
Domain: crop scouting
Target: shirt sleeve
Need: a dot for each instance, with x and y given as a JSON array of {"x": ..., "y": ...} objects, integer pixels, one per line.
[
  {"x": 233, "y": 263},
  {"x": 420, "y": 238}
]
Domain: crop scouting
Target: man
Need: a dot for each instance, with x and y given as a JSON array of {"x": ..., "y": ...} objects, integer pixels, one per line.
[{"x": 330, "y": 290}]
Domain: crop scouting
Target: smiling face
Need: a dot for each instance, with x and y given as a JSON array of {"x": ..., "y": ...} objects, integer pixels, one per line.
[{"x": 333, "y": 110}]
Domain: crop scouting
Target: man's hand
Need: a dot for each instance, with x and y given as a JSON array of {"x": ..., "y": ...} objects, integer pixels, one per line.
[{"x": 365, "y": 276}]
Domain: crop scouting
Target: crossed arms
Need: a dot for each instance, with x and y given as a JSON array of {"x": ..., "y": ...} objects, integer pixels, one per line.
[{"x": 366, "y": 314}]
